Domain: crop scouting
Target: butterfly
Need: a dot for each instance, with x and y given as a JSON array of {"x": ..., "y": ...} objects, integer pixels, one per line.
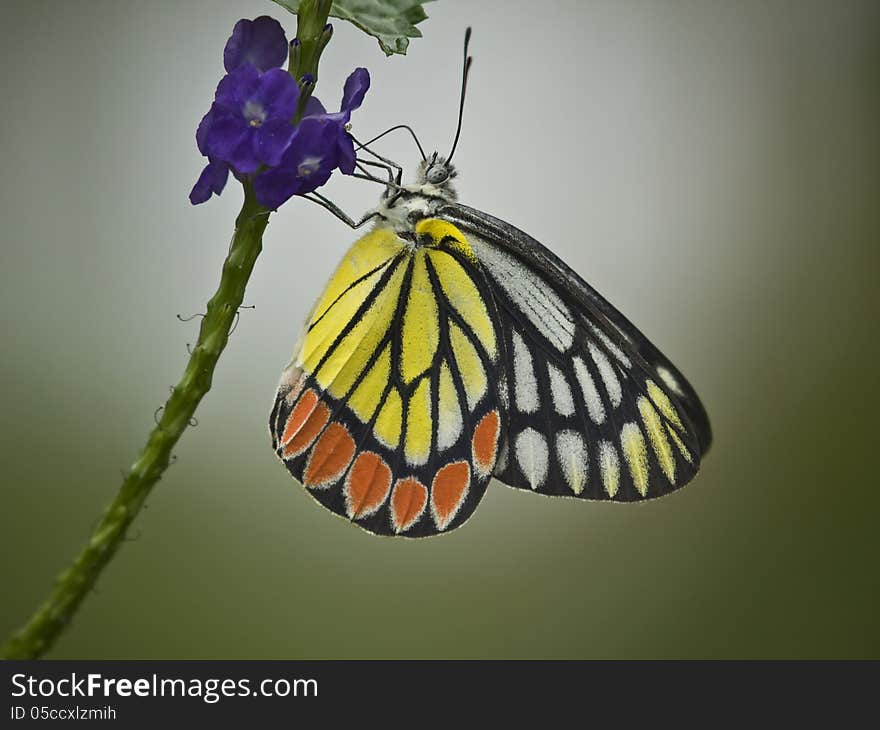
[{"x": 450, "y": 347}]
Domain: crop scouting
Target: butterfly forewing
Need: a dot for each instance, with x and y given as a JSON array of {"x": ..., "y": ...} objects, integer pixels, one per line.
[{"x": 594, "y": 409}]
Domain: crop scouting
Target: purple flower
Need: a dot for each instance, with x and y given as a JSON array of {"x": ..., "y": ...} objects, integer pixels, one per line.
[
  {"x": 249, "y": 129},
  {"x": 259, "y": 42},
  {"x": 319, "y": 145},
  {"x": 249, "y": 122},
  {"x": 356, "y": 87},
  {"x": 214, "y": 176},
  {"x": 211, "y": 181}
]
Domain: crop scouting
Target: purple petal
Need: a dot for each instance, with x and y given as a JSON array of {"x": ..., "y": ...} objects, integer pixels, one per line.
[
  {"x": 278, "y": 93},
  {"x": 245, "y": 159},
  {"x": 313, "y": 153},
  {"x": 224, "y": 135},
  {"x": 314, "y": 107},
  {"x": 345, "y": 153},
  {"x": 274, "y": 187},
  {"x": 356, "y": 86},
  {"x": 235, "y": 142},
  {"x": 315, "y": 140},
  {"x": 211, "y": 181},
  {"x": 203, "y": 128},
  {"x": 237, "y": 87},
  {"x": 260, "y": 43},
  {"x": 314, "y": 180},
  {"x": 273, "y": 139}
]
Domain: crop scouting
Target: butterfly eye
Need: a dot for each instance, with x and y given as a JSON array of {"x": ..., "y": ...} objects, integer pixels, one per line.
[{"x": 437, "y": 175}]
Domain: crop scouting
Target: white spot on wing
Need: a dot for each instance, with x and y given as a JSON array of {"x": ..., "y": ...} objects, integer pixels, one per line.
[
  {"x": 531, "y": 294},
  {"x": 612, "y": 384},
  {"x": 591, "y": 395},
  {"x": 611, "y": 347},
  {"x": 667, "y": 377},
  {"x": 531, "y": 455},
  {"x": 562, "y": 399},
  {"x": 572, "y": 454},
  {"x": 609, "y": 464},
  {"x": 525, "y": 387},
  {"x": 449, "y": 425}
]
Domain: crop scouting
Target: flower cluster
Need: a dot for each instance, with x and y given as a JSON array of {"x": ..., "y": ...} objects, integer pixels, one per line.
[{"x": 249, "y": 128}]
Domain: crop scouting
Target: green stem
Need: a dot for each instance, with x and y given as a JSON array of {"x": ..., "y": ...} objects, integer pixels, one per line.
[
  {"x": 39, "y": 634},
  {"x": 313, "y": 34},
  {"x": 72, "y": 586}
]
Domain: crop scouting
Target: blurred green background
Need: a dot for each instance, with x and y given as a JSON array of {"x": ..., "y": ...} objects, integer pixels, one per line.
[{"x": 711, "y": 168}]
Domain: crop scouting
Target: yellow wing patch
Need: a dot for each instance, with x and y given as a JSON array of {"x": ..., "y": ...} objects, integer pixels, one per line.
[
  {"x": 417, "y": 442},
  {"x": 469, "y": 364},
  {"x": 366, "y": 398},
  {"x": 389, "y": 422},
  {"x": 463, "y": 295},
  {"x": 633, "y": 444},
  {"x": 324, "y": 328},
  {"x": 661, "y": 400},
  {"x": 421, "y": 326},
  {"x": 368, "y": 252},
  {"x": 664, "y": 405},
  {"x": 349, "y": 287},
  {"x": 657, "y": 436},
  {"x": 348, "y": 358},
  {"x": 440, "y": 230}
]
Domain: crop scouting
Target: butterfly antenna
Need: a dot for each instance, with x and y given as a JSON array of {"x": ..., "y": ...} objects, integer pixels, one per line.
[
  {"x": 363, "y": 145},
  {"x": 468, "y": 60}
]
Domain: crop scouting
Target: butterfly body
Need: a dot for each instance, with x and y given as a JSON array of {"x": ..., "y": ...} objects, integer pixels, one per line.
[{"x": 450, "y": 347}]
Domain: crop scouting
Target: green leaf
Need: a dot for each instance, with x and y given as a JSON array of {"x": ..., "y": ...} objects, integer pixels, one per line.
[{"x": 391, "y": 22}]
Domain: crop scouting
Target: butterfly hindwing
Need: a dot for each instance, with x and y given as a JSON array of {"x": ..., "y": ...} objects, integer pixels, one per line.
[
  {"x": 594, "y": 409},
  {"x": 389, "y": 413}
]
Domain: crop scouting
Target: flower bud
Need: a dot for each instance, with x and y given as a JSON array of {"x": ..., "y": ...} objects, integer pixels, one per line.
[
  {"x": 325, "y": 37},
  {"x": 294, "y": 56}
]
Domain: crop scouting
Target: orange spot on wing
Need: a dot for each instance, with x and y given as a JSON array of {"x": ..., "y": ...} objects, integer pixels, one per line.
[
  {"x": 330, "y": 457},
  {"x": 299, "y": 414},
  {"x": 306, "y": 420},
  {"x": 408, "y": 501},
  {"x": 485, "y": 443},
  {"x": 448, "y": 490},
  {"x": 367, "y": 485}
]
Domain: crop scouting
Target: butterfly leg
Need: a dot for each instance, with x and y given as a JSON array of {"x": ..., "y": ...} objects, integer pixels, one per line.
[
  {"x": 388, "y": 163},
  {"x": 337, "y": 211},
  {"x": 391, "y": 181},
  {"x": 364, "y": 174},
  {"x": 398, "y": 177}
]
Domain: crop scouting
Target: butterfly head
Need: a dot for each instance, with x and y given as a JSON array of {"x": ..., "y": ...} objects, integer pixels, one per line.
[{"x": 435, "y": 175}]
